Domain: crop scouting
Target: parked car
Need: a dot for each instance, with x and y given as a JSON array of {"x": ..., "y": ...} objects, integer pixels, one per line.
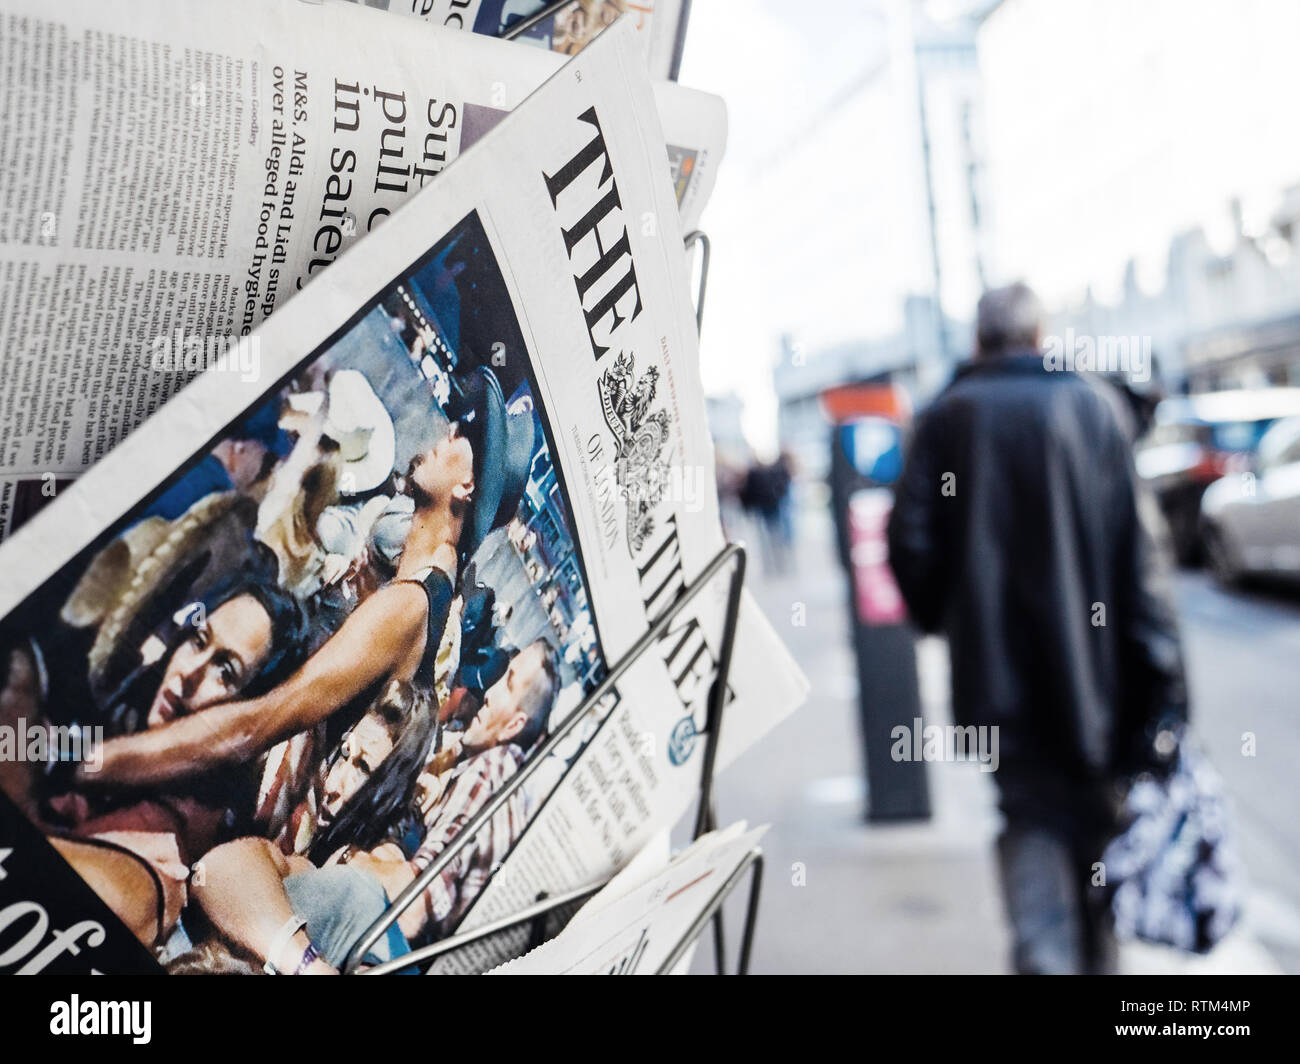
[
  {"x": 1250, "y": 521},
  {"x": 1194, "y": 441}
]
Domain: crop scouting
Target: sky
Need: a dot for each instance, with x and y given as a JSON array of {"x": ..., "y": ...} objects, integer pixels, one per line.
[
  {"x": 1111, "y": 126},
  {"x": 1140, "y": 120}
]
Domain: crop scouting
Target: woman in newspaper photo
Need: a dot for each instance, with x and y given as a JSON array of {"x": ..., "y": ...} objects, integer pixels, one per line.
[
  {"x": 300, "y": 915},
  {"x": 241, "y": 639},
  {"x": 136, "y": 855}
]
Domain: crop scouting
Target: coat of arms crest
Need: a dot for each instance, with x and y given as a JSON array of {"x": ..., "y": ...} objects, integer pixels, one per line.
[{"x": 640, "y": 467}]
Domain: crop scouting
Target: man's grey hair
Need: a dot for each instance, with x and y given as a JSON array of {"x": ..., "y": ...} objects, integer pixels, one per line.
[{"x": 1008, "y": 318}]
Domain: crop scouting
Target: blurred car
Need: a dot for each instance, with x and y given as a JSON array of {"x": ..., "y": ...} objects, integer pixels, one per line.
[
  {"x": 1250, "y": 521},
  {"x": 1194, "y": 441}
]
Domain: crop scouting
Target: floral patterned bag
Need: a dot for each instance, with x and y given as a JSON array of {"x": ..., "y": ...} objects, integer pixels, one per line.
[{"x": 1173, "y": 875}]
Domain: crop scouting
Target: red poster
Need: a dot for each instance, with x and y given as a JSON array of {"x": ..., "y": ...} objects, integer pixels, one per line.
[{"x": 876, "y": 593}]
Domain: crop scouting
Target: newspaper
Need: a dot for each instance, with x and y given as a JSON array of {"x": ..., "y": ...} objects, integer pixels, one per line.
[
  {"x": 634, "y": 925},
  {"x": 567, "y": 30},
  {"x": 212, "y": 159},
  {"x": 473, "y": 466}
]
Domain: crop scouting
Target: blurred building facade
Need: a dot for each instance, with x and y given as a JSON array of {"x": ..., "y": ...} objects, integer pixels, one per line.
[
  {"x": 1220, "y": 320},
  {"x": 1138, "y": 157},
  {"x": 800, "y": 378}
]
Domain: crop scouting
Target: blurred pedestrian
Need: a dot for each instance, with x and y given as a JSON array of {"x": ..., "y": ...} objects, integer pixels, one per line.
[
  {"x": 763, "y": 494},
  {"x": 785, "y": 472},
  {"x": 731, "y": 480},
  {"x": 1018, "y": 531}
]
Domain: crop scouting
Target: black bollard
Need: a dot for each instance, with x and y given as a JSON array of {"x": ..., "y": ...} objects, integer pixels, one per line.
[{"x": 866, "y": 458}]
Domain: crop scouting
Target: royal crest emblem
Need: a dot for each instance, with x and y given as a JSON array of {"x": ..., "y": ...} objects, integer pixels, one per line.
[{"x": 641, "y": 469}]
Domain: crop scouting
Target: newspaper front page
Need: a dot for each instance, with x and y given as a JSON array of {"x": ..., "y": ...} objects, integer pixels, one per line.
[
  {"x": 475, "y": 467},
  {"x": 176, "y": 171}
]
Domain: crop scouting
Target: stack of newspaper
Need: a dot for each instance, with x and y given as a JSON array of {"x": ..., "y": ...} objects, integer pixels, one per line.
[
  {"x": 641, "y": 923},
  {"x": 314, "y": 540}
]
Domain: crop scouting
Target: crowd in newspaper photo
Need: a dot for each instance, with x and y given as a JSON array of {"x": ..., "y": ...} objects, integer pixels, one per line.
[{"x": 377, "y": 561}]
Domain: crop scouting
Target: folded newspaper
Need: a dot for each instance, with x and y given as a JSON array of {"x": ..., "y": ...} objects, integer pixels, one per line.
[
  {"x": 264, "y": 660},
  {"x": 641, "y": 922},
  {"x": 173, "y": 171}
]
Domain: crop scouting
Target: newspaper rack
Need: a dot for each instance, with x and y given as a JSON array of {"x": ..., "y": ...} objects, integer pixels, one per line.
[{"x": 731, "y": 556}]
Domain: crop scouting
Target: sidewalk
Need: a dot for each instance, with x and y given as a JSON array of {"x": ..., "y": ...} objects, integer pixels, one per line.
[{"x": 840, "y": 896}]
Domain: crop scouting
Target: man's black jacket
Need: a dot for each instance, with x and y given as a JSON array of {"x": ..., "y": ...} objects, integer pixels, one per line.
[{"x": 1019, "y": 531}]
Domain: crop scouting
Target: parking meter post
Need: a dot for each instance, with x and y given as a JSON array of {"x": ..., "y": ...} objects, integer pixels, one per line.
[{"x": 866, "y": 458}]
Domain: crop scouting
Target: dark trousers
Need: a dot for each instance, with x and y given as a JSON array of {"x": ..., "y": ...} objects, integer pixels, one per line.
[{"x": 1046, "y": 855}]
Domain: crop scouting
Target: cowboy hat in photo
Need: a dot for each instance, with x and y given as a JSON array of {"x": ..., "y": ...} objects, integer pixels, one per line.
[
  {"x": 503, "y": 454},
  {"x": 123, "y": 579},
  {"x": 359, "y": 423}
]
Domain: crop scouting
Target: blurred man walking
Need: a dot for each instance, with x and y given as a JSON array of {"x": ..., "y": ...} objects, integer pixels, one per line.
[{"x": 1018, "y": 531}]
